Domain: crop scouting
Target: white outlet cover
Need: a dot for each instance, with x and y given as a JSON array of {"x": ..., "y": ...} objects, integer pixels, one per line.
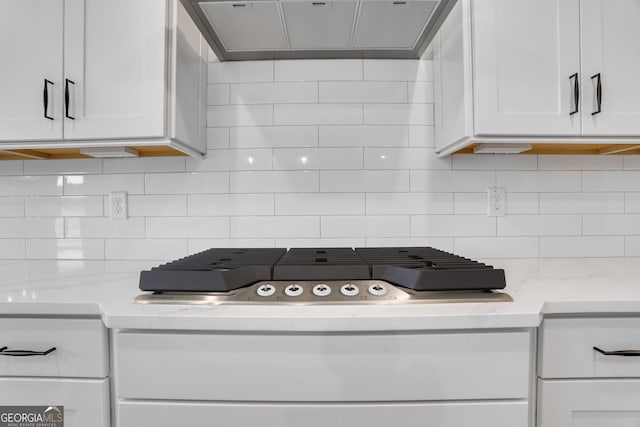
[
  {"x": 496, "y": 202},
  {"x": 118, "y": 204}
]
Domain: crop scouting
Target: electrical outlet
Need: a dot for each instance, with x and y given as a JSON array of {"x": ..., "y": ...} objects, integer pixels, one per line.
[
  {"x": 118, "y": 202},
  {"x": 496, "y": 203}
]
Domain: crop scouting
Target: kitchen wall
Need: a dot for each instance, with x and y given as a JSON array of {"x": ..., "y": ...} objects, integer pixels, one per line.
[{"x": 320, "y": 153}]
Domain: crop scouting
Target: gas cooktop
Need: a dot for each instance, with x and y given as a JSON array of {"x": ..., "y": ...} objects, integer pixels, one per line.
[{"x": 321, "y": 276}]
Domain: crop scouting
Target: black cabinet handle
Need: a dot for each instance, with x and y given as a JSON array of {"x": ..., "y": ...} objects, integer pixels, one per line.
[
  {"x": 618, "y": 352},
  {"x": 598, "y": 93},
  {"x": 4, "y": 351},
  {"x": 576, "y": 93},
  {"x": 66, "y": 98},
  {"x": 45, "y": 98}
]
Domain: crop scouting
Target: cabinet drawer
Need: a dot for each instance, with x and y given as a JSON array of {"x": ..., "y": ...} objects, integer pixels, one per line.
[
  {"x": 81, "y": 347},
  {"x": 86, "y": 402},
  {"x": 567, "y": 347},
  {"x": 165, "y": 414},
  {"x": 323, "y": 367}
]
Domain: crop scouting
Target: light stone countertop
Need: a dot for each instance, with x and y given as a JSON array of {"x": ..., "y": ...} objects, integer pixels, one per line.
[{"x": 538, "y": 287}]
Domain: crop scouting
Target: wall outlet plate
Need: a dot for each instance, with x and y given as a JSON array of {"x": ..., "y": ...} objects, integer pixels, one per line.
[
  {"x": 496, "y": 202},
  {"x": 118, "y": 203}
]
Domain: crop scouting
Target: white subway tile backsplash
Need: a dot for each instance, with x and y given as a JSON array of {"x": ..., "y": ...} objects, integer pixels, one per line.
[
  {"x": 495, "y": 162},
  {"x": 146, "y": 249},
  {"x": 409, "y": 203},
  {"x": 65, "y": 248},
  {"x": 155, "y": 205},
  {"x": 538, "y": 181},
  {"x": 404, "y": 158},
  {"x": 393, "y": 70},
  {"x": 442, "y": 243},
  {"x": 365, "y": 226},
  {"x": 275, "y": 182},
  {"x": 611, "y": 181},
  {"x": 64, "y": 166},
  {"x": 364, "y": 136},
  {"x": 421, "y": 136},
  {"x": 631, "y": 161},
  {"x": 252, "y": 227},
  {"x": 240, "y": 71},
  {"x": 392, "y": 92},
  {"x": 313, "y": 69},
  {"x": 611, "y": 224},
  {"x": 230, "y": 204},
  {"x": 233, "y": 160},
  {"x": 239, "y": 115},
  {"x": 452, "y": 225},
  {"x": 186, "y": 227},
  {"x": 579, "y": 162},
  {"x": 91, "y": 185},
  {"x": 144, "y": 164},
  {"x": 632, "y": 202},
  {"x": 317, "y": 114},
  {"x": 218, "y": 94},
  {"x": 420, "y": 92},
  {"x": 581, "y": 203},
  {"x": 581, "y": 247},
  {"x": 12, "y": 167},
  {"x": 103, "y": 228},
  {"x": 317, "y": 158},
  {"x": 631, "y": 247},
  {"x": 523, "y": 203},
  {"x": 64, "y": 206},
  {"x": 497, "y": 247},
  {"x": 469, "y": 203},
  {"x": 30, "y": 185},
  {"x": 320, "y": 204},
  {"x": 31, "y": 227},
  {"x": 274, "y": 136},
  {"x": 199, "y": 245},
  {"x": 398, "y": 114},
  {"x": 364, "y": 181},
  {"x": 539, "y": 225},
  {"x": 11, "y": 207},
  {"x": 12, "y": 248},
  {"x": 187, "y": 183},
  {"x": 451, "y": 181},
  {"x": 274, "y": 93},
  {"x": 217, "y": 138},
  {"x": 352, "y": 242}
]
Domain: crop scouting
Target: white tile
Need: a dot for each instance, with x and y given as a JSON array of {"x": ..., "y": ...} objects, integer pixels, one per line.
[
  {"x": 581, "y": 247},
  {"x": 239, "y": 115},
  {"x": 144, "y": 164},
  {"x": 30, "y": 185},
  {"x": 452, "y": 225},
  {"x": 274, "y": 93},
  {"x": 470, "y": 203},
  {"x": 421, "y": 136},
  {"x": 317, "y": 158},
  {"x": 218, "y": 94},
  {"x": 579, "y": 162},
  {"x": 582, "y": 203},
  {"x": 90, "y": 185},
  {"x": 187, "y": 183},
  {"x": 495, "y": 162},
  {"x": 129, "y": 266},
  {"x": 420, "y": 92},
  {"x": 537, "y": 181},
  {"x": 230, "y": 204},
  {"x": 146, "y": 249},
  {"x": 366, "y": 226},
  {"x": 64, "y": 206},
  {"x": 364, "y": 181},
  {"x": 199, "y": 245},
  {"x": 275, "y": 227},
  {"x": 12, "y": 249},
  {"x": 632, "y": 202},
  {"x": 398, "y": 114},
  {"x": 275, "y": 182},
  {"x": 187, "y": 227},
  {"x": 31, "y": 227},
  {"x": 317, "y": 114},
  {"x": 442, "y": 243},
  {"x": 394, "y": 70},
  {"x": 497, "y": 247},
  {"x": 240, "y": 71},
  {"x": 631, "y": 247},
  {"x": 364, "y": 136},
  {"x": 409, "y": 203},
  {"x": 404, "y": 158},
  {"x": 104, "y": 228},
  {"x": 160, "y": 205},
  {"x": 451, "y": 181},
  {"x": 321, "y": 69},
  {"x": 393, "y": 92},
  {"x": 65, "y": 248},
  {"x": 274, "y": 136},
  {"x": 629, "y": 162},
  {"x": 611, "y": 224},
  {"x": 12, "y": 167},
  {"x": 11, "y": 206},
  {"x": 320, "y": 204},
  {"x": 64, "y": 166},
  {"x": 539, "y": 225},
  {"x": 611, "y": 181},
  {"x": 217, "y": 138},
  {"x": 352, "y": 242},
  {"x": 522, "y": 203},
  {"x": 230, "y": 160}
]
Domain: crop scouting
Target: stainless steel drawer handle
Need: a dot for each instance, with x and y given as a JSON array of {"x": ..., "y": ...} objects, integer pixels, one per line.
[
  {"x": 618, "y": 352},
  {"x": 4, "y": 351}
]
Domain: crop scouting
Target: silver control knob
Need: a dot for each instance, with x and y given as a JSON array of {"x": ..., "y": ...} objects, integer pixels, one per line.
[
  {"x": 377, "y": 289},
  {"x": 266, "y": 290},
  {"x": 321, "y": 290},
  {"x": 349, "y": 290},
  {"x": 293, "y": 290}
]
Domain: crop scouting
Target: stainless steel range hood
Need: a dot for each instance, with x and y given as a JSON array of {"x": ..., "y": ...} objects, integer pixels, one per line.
[{"x": 297, "y": 29}]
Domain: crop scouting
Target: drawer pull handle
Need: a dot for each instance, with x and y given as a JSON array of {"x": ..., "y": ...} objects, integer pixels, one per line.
[
  {"x": 618, "y": 352},
  {"x": 4, "y": 351}
]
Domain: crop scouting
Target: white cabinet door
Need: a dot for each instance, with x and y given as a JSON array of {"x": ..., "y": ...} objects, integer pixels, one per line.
[
  {"x": 611, "y": 51},
  {"x": 115, "y": 56},
  {"x": 524, "y": 54},
  {"x": 30, "y": 52}
]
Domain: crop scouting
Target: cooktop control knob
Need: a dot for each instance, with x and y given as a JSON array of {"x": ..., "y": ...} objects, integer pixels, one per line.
[
  {"x": 321, "y": 290},
  {"x": 349, "y": 290},
  {"x": 266, "y": 290},
  {"x": 293, "y": 290},
  {"x": 377, "y": 289}
]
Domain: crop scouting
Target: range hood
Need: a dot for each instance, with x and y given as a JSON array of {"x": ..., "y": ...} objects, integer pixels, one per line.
[{"x": 304, "y": 29}]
